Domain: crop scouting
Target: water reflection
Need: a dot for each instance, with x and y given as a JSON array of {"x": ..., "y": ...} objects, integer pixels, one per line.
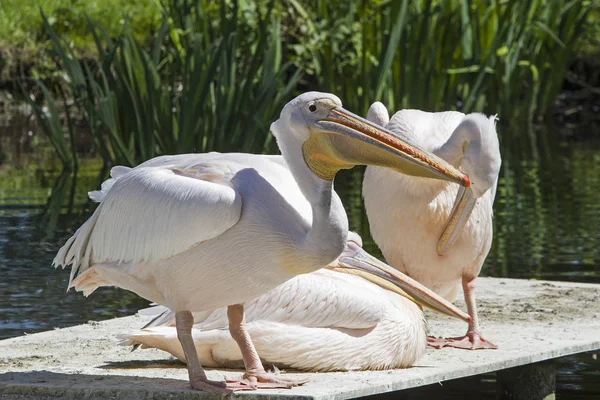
[
  {"x": 547, "y": 213},
  {"x": 39, "y": 210},
  {"x": 547, "y": 209}
]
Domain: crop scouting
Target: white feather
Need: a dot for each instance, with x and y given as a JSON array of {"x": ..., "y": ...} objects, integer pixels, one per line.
[{"x": 115, "y": 173}]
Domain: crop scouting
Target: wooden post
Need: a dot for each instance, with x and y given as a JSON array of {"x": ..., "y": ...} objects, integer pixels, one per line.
[{"x": 530, "y": 381}]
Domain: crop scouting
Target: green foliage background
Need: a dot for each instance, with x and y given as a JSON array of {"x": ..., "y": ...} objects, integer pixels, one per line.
[{"x": 149, "y": 78}]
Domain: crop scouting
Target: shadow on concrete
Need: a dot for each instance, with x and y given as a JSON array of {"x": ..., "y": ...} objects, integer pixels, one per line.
[
  {"x": 134, "y": 364},
  {"x": 51, "y": 385}
]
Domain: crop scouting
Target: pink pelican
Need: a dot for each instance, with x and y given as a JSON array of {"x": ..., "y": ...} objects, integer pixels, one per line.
[
  {"x": 202, "y": 231},
  {"x": 413, "y": 220}
]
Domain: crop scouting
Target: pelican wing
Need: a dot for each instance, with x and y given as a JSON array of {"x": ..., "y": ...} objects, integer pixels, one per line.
[
  {"x": 148, "y": 214},
  {"x": 429, "y": 130},
  {"x": 320, "y": 299}
]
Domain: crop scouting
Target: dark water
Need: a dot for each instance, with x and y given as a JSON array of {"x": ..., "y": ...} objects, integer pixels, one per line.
[{"x": 547, "y": 219}]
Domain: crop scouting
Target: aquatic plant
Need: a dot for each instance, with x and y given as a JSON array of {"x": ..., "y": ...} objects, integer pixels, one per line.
[
  {"x": 215, "y": 75},
  {"x": 507, "y": 57},
  {"x": 193, "y": 90}
]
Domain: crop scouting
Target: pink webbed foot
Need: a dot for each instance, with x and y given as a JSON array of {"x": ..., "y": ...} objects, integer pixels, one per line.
[
  {"x": 264, "y": 380},
  {"x": 436, "y": 343},
  {"x": 220, "y": 388},
  {"x": 471, "y": 341}
]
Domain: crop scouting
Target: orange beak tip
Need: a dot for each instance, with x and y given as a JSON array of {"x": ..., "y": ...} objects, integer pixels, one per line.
[{"x": 467, "y": 181}]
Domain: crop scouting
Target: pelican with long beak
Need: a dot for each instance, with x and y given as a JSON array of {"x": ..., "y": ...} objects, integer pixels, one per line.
[
  {"x": 202, "y": 231},
  {"x": 437, "y": 232},
  {"x": 356, "y": 314}
]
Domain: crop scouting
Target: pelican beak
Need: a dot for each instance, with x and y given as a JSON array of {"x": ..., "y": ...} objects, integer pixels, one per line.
[
  {"x": 342, "y": 140},
  {"x": 358, "y": 262},
  {"x": 463, "y": 206}
]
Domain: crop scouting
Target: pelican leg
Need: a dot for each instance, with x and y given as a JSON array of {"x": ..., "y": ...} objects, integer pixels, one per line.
[
  {"x": 472, "y": 340},
  {"x": 255, "y": 377},
  {"x": 198, "y": 379}
]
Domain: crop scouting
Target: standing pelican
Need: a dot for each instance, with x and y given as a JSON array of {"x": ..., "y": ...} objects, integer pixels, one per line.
[
  {"x": 408, "y": 218},
  {"x": 199, "y": 232},
  {"x": 327, "y": 320}
]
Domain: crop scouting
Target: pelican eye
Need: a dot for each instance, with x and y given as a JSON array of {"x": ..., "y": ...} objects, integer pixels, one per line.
[{"x": 312, "y": 107}]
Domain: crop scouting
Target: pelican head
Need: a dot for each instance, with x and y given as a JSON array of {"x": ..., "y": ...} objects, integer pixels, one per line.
[
  {"x": 474, "y": 146},
  {"x": 330, "y": 138},
  {"x": 481, "y": 152}
]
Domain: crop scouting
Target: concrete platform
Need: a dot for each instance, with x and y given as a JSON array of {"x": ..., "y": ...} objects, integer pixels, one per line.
[{"x": 531, "y": 321}]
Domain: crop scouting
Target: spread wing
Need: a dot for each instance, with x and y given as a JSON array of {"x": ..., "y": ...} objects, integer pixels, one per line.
[{"x": 151, "y": 213}]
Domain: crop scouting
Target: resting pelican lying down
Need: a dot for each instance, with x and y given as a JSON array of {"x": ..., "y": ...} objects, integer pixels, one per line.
[
  {"x": 328, "y": 320},
  {"x": 198, "y": 232}
]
